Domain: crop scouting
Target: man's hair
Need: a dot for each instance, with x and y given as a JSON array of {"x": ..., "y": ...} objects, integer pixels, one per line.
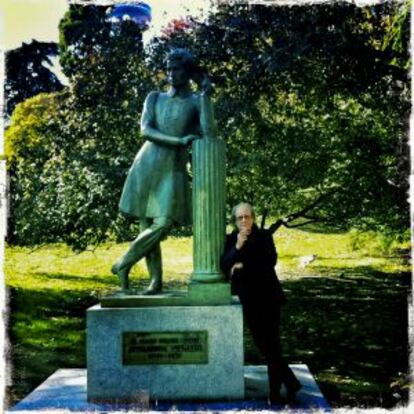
[
  {"x": 184, "y": 57},
  {"x": 235, "y": 208}
]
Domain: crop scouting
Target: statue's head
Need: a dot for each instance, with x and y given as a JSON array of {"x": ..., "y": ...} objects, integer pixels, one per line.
[
  {"x": 181, "y": 66},
  {"x": 243, "y": 216}
]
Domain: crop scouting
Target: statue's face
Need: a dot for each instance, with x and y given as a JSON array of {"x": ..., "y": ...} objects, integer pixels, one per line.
[
  {"x": 177, "y": 75},
  {"x": 244, "y": 218}
]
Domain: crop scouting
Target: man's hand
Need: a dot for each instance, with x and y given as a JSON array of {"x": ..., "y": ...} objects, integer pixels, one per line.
[
  {"x": 241, "y": 238},
  {"x": 189, "y": 138},
  {"x": 236, "y": 266}
]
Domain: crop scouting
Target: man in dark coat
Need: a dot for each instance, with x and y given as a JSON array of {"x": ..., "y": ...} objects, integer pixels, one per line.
[{"x": 248, "y": 261}]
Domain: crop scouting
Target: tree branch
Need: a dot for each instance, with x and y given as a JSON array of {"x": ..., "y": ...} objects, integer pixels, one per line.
[
  {"x": 264, "y": 216},
  {"x": 292, "y": 226},
  {"x": 316, "y": 218},
  {"x": 273, "y": 227},
  {"x": 301, "y": 213}
]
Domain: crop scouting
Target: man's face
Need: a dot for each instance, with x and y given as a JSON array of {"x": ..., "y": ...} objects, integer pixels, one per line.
[
  {"x": 244, "y": 218},
  {"x": 177, "y": 75}
]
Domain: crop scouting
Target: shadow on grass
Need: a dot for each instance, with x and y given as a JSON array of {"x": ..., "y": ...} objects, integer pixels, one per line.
[
  {"x": 46, "y": 329},
  {"x": 350, "y": 258},
  {"x": 104, "y": 280},
  {"x": 351, "y": 329},
  {"x": 349, "y": 326}
]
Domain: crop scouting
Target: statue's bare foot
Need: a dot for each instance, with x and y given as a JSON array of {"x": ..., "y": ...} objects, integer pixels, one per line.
[
  {"x": 153, "y": 288},
  {"x": 122, "y": 276}
]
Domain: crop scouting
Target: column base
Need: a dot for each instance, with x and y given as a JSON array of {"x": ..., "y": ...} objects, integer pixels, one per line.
[
  {"x": 210, "y": 294},
  {"x": 204, "y": 277}
]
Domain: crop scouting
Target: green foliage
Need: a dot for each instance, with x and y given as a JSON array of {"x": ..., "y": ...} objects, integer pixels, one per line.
[
  {"x": 29, "y": 133},
  {"x": 74, "y": 189},
  {"x": 382, "y": 242},
  {"x": 313, "y": 109},
  {"x": 31, "y": 151},
  {"x": 398, "y": 36},
  {"x": 313, "y": 102}
]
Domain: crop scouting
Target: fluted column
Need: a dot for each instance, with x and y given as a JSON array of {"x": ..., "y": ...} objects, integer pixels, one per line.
[{"x": 208, "y": 208}]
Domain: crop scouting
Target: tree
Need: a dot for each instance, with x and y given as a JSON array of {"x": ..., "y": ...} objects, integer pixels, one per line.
[
  {"x": 313, "y": 103},
  {"x": 26, "y": 73},
  {"x": 314, "y": 109}
]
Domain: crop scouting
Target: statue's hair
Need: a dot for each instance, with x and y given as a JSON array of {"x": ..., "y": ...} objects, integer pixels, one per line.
[
  {"x": 235, "y": 208},
  {"x": 183, "y": 56}
]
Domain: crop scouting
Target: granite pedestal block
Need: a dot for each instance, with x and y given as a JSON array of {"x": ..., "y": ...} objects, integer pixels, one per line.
[{"x": 217, "y": 372}]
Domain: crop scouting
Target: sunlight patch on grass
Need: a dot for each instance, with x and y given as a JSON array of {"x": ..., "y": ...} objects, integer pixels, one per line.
[
  {"x": 350, "y": 385},
  {"x": 57, "y": 267}
]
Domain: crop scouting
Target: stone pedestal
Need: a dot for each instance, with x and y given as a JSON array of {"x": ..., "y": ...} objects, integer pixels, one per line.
[{"x": 166, "y": 352}]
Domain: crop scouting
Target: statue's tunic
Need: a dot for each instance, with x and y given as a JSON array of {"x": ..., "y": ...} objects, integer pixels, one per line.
[{"x": 157, "y": 184}]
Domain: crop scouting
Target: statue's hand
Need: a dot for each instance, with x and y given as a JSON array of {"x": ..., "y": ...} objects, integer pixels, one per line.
[
  {"x": 189, "y": 138},
  {"x": 207, "y": 86}
]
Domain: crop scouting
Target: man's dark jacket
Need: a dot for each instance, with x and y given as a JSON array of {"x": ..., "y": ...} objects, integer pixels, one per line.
[{"x": 256, "y": 283}]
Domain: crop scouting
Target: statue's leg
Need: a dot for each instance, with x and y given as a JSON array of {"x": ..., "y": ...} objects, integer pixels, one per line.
[
  {"x": 142, "y": 245},
  {"x": 154, "y": 258},
  {"x": 154, "y": 265},
  {"x": 123, "y": 265}
]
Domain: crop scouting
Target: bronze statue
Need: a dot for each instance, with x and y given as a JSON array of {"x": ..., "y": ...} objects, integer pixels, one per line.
[{"x": 157, "y": 190}]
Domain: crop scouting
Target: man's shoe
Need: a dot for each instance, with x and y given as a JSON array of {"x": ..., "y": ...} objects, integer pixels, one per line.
[
  {"x": 291, "y": 392},
  {"x": 276, "y": 399}
]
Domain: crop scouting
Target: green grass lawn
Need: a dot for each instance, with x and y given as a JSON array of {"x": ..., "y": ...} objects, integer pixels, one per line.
[{"x": 346, "y": 316}]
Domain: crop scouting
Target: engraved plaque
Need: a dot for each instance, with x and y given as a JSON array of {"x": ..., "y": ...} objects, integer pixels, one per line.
[{"x": 150, "y": 348}]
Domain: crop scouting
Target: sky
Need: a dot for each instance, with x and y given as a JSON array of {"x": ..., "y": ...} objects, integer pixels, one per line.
[{"x": 24, "y": 20}]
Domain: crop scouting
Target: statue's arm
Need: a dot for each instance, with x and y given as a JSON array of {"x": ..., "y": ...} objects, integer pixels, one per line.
[
  {"x": 207, "y": 120},
  {"x": 148, "y": 121}
]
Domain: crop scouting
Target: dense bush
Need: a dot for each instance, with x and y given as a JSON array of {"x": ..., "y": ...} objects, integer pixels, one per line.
[{"x": 87, "y": 139}]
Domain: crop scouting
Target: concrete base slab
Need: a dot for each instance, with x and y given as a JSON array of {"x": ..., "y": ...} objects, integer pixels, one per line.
[
  {"x": 65, "y": 392},
  {"x": 257, "y": 386}
]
